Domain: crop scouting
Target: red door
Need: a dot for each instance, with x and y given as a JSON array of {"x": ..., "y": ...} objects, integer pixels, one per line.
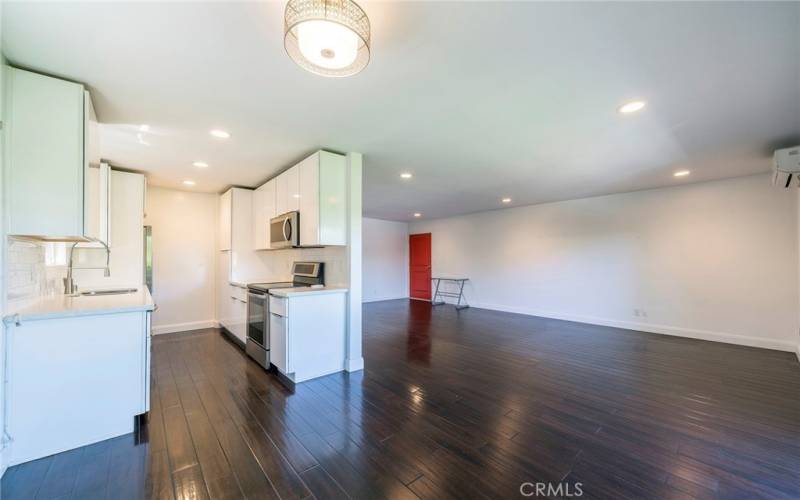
[{"x": 419, "y": 249}]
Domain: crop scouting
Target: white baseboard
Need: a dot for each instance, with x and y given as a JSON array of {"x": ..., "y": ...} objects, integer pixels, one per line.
[
  {"x": 354, "y": 365},
  {"x": 379, "y": 299},
  {"x": 727, "y": 338},
  {"x": 183, "y": 327}
]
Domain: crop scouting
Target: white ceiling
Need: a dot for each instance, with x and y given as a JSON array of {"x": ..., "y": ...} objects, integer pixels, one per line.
[{"x": 478, "y": 100}]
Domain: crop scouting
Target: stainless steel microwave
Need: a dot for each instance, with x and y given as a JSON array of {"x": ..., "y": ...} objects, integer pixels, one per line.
[{"x": 284, "y": 230}]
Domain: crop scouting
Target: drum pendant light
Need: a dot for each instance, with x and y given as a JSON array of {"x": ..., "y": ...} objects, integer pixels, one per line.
[{"x": 327, "y": 37}]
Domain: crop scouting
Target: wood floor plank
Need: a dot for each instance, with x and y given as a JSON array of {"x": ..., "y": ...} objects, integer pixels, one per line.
[{"x": 323, "y": 486}]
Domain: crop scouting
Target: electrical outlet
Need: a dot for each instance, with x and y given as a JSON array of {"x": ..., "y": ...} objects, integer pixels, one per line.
[{"x": 636, "y": 312}]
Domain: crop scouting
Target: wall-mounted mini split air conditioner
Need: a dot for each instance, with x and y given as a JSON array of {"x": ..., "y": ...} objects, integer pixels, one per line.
[{"x": 786, "y": 167}]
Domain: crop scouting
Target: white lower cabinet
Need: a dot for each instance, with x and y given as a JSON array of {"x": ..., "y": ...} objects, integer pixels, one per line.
[
  {"x": 307, "y": 333},
  {"x": 238, "y": 326},
  {"x": 232, "y": 309},
  {"x": 74, "y": 381}
]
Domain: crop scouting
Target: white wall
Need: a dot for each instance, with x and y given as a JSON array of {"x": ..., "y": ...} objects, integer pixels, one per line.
[
  {"x": 184, "y": 237},
  {"x": 716, "y": 260},
  {"x": 385, "y": 259}
]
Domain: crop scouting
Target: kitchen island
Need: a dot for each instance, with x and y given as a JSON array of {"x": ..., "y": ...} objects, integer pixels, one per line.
[{"x": 77, "y": 370}]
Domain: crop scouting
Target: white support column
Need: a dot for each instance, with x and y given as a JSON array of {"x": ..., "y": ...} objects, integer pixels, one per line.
[{"x": 354, "y": 361}]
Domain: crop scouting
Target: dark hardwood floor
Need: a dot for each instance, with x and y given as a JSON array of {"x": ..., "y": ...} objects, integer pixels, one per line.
[{"x": 467, "y": 404}]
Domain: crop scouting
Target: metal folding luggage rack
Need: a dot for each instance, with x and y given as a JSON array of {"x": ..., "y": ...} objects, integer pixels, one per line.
[{"x": 437, "y": 301}]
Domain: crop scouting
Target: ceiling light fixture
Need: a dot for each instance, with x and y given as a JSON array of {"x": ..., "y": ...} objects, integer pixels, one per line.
[
  {"x": 144, "y": 128},
  {"x": 200, "y": 164},
  {"x": 220, "y": 134},
  {"x": 682, "y": 173},
  {"x": 406, "y": 175},
  {"x": 188, "y": 183},
  {"x": 327, "y": 37},
  {"x": 417, "y": 214},
  {"x": 632, "y": 107},
  {"x": 506, "y": 200}
]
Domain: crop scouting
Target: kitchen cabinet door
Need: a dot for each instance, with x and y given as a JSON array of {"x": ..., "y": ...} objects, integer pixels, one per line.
[
  {"x": 279, "y": 342},
  {"x": 97, "y": 210},
  {"x": 239, "y": 317},
  {"x": 309, "y": 200},
  {"x": 224, "y": 304},
  {"x": 332, "y": 199},
  {"x": 225, "y": 209},
  {"x": 293, "y": 189},
  {"x": 244, "y": 261},
  {"x": 44, "y": 155},
  {"x": 323, "y": 199},
  {"x": 281, "y": 193},
  {"x": 263, "y": 211}
]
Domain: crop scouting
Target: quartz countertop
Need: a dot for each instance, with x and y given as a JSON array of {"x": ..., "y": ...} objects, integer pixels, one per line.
[
  {"x": 306, "y": 290},
  {"x": 66, "y": 306}
]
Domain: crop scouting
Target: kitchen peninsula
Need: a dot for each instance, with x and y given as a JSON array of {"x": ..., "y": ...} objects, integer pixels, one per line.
[{"x": 78, "y": 370}]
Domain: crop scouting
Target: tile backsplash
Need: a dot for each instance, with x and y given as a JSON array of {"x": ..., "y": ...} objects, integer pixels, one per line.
[
  {"x": 27, "y": 275},
  {"x": 278, "y": 263}
]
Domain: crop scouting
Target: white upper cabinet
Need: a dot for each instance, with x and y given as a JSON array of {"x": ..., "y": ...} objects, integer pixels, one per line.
[
  {"x": 287, "y": 191},
  {"x": 242, "y": 254},
  {"x": 45, "y": 157},
  {"x": 97, "y": 205},
  {"x": 225, "y": 201},
  {"x": 236, "y": 234},
  {"x": 323, "y": 199},
  {"x": 264, "y": 209},
  {"x": 97, "y": 180},
  {"x": 317, "y": 188}
]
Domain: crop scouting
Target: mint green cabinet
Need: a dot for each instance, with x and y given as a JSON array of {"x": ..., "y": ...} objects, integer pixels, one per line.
[{"x": 44, "y": 155}]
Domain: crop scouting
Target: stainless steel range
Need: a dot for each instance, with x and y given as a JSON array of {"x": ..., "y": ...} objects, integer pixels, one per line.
[{"x": 257, "y": 345}]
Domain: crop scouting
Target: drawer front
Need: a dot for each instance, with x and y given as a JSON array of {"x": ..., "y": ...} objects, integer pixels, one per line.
[
  {"x": 238, "y": 293},
  {"x": 278, "y": 305}
]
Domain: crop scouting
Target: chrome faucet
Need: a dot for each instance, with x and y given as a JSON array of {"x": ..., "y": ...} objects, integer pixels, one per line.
[{"x": 69, "y": 284}]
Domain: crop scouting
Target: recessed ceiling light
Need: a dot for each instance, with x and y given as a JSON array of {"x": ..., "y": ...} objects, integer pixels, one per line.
[
  {"x": 417, "y": 214},
  {"x": 220, "y": 134},
  {"x": 632, "y": 107},
  {"x": 200, "y": 164},
  {"x": 681, "y": 173},
  {"x": 406, "y": 175},
  {"x": 506, "y": 200},
  {"x": 144, "y": 128},
  {"x": 188, "y": 183}
]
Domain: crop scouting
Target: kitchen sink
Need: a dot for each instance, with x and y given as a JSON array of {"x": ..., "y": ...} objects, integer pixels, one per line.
[{"x": 116, "y": 291}]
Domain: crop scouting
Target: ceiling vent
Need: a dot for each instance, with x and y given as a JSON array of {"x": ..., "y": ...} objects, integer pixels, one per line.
[{"x": 786, "y": 167}]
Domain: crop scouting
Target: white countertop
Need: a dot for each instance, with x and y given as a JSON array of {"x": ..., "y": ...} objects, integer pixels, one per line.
[
  {"x": 66, "y": 306},
  {"x": 306, "y": 290}
]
